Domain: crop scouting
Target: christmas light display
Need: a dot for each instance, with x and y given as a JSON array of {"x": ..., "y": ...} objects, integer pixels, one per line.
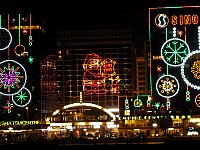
[
  {"x": 173, "y": 51},
  {"x": 174, "y": 35},
  {"x": 22, "y": 98},
  {"x": 167, "y": 86},
  {"x": 5, "y": 38},
  {"x": 126, "y": 107},
  {"x": 100, "y": 76},
  {"x": 13, "y": 75},
  {"x": 8, "y": 107}
]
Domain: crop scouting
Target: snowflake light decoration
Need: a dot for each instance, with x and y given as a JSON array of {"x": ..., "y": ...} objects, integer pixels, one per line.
[
  {"x": 173, "y": 51},
  {"x": 157, "y": 105}
]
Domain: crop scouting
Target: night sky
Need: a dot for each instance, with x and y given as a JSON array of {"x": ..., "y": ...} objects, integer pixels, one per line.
[{"x": 89, "y": 14}]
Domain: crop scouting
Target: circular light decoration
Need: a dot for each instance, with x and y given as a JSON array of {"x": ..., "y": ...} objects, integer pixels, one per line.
[
  {"x": 22, "y": 98},
  {"x": 126, "y": 104},
  {"x": 21, "y": 50},
  {"x": 197, "y": 100},
  {"x": 173, "y": 51},
  {"x": 12, "y": 77},
  {"x": 5, "y": 38},
  {"x": 168, "y": 103},
  {"x": 190, "y": 70},
  {"x": 137, "y": 102},
  {"x": 167, "y": 86},
  {"x": 161, "y": 20}
]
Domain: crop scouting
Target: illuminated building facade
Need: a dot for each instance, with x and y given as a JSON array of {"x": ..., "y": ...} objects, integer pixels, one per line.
[
  {"x": 48, "y": 77},
  {"x": 174, "y": 59},
  {"x": 141, "y": 76},
  {"x": 95, "y": 66},
  {"x": 22, "y": 38}
]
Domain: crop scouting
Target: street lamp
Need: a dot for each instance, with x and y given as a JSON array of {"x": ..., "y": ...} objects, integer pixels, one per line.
[{"x": 27, "y": 113}]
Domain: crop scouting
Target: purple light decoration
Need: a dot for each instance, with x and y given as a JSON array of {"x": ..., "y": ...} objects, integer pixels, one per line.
[
  {"x": 8, "y": 79},
  {"x": 12, "y": 77}
]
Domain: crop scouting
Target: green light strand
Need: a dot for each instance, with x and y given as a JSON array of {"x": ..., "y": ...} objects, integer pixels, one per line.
[{"x": 167, "y": 70}]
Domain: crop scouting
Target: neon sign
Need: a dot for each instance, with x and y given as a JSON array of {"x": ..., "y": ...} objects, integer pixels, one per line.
[
  {"x": 162, "y": 20},
  {"x": 174, "y": 35}
]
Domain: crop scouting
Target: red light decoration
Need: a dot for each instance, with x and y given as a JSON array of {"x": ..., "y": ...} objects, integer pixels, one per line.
[
  {"x": 25, "y": 31},
  {"x": 99, "y": 74},
  {"x": 8, "y": 107},
  {"x": 159, "y": 68}
]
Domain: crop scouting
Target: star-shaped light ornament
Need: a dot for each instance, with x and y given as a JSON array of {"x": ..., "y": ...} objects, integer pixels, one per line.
[{"x": 30, "y": 60}]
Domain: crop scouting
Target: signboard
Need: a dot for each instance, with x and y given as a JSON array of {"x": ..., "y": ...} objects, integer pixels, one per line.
[{"x": 174, "y": 33}]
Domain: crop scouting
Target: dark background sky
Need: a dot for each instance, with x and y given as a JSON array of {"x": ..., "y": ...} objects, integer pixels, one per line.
[{"x": 88, "y": 14}]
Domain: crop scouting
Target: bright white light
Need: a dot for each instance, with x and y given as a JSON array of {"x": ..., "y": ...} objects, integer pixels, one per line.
[
  {"x": 154, "y": 124},
  {"x": 183, "y": 72},
  {"x": 6, "y": 39}
]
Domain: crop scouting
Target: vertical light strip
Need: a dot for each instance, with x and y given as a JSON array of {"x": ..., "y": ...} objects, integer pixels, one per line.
[
  {"x": 118, "y": 106},
  {"x": 30, "y": 24},
  {"x": 185, "y": 33},
  {"x": 185, "y": 41},
  {"x": 8, "y": 47},
  {"x": 150, "y": 75},
  {"x": 167, "y": 70},
  {"x": 198, "y": 37},
  {"x": 0, "y": 21},
  {"x": 8, "y": 30},
  {"x": 19, "y": 29}
]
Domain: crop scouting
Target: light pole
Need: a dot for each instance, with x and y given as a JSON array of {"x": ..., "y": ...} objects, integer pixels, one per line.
[{"x": 27, "y": 113}]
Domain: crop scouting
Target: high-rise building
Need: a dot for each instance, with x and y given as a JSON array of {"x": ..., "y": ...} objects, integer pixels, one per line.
[
  {"x": 92, "y": 66},
  {"x": 141, "y": 76},
  {"x": 22, "y": 43},
  {"x": 48, "y": 76}
]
